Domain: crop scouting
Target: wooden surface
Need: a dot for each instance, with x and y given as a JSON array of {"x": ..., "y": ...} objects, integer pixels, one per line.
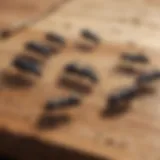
[
  {"x": 17, "y": 11},
  {"x": 123, "y": 26},
  {"x": 120, "y": 21}
]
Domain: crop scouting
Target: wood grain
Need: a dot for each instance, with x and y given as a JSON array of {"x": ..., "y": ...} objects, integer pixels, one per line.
[
  {"x": 116, "y": 21},
  {"x": 123, "y": 26},
  {"x": 18, "y": 11}
]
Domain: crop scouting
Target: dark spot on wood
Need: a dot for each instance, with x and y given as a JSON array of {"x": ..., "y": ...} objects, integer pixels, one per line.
[
  {"x": 63, "y": 102},
  {"x": 88, "y": 73},
  {"x": 15, "y": 81},
  {"x": 146, "y": 82},
  {"x": 126, "y": 70},
  {"x": 72, "y": 68},
  {"x": 134, "y": 57},
  {"x": 120, "y": 102},
  {"x": 148, "y": 77},
  {"x": 5, "y": 33},
  {"x": 110, "y": 141},
  {"x": 81, "y": 71},
  {"x": 52, "y": 121},
  {"x": 27, "y": 64},
  {"x": 89, "y": 35},
  {"x": 39, "y": 48},
  {"x": 53, "y": 37},
  {"x": 84, "y": 47},
  {"x": 75, "y": 86}
]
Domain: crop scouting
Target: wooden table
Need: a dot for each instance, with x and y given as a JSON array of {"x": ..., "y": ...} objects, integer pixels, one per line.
[{"x": 123, "y": 26}]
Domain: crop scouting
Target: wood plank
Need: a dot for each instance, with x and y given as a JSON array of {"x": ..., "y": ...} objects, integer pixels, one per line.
[
  {"x": 18, "y": 11},
  {"x": 115, "y": 21},
  {"x": 123, "y": 26},
  {"x": 21, "y": 108}
]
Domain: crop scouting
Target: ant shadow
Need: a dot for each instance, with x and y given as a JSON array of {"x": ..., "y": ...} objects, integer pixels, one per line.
[
  {"x": 81, "y": 88},
  {"x": 52, "y": 121},
  {"x": 15, "y": 81}
]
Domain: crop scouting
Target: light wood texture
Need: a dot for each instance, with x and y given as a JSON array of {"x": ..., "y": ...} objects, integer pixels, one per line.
[
  {"x": 120, "y": 21},
  {"x": 123, "y": 25},
  {"x": 17, "y": 11}
]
